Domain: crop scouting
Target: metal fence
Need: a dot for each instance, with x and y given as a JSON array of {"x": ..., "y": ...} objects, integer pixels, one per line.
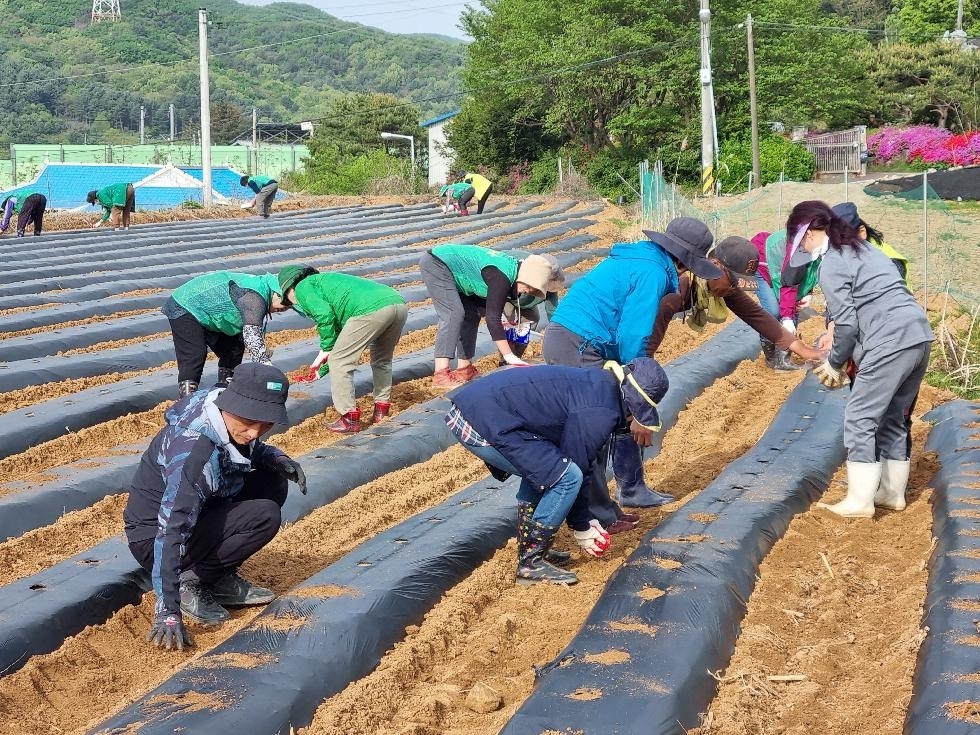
[{"x": 841, "y": 152}]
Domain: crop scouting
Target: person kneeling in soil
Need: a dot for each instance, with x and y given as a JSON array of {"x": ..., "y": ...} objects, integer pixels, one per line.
[
  {"x": 548, "y": 425},
  {"x": 206, "y": 496},
  {"x": 351, "y": 314}
]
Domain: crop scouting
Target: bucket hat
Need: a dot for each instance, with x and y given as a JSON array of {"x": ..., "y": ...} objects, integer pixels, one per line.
[
  {"x": 541, "y": 272},
  {"x": 290, "y": 275},
  {"x": 256, "y": 392},
  {"x": 688, "y": 239}
]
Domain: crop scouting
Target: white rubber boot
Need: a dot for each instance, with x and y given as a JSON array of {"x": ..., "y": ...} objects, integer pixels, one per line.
[
  {"x": 894, "y": 480},
  {"x": 863, "y": 479}
]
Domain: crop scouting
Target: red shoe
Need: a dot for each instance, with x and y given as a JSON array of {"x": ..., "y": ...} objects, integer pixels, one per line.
[
  {"x": 445, "y": 378},
  {"x": 381, "y": 411},
  {"x": 620, "y": 526},
  {"x": 465, "y": 374},
  {"x": 349, "y": 423}
]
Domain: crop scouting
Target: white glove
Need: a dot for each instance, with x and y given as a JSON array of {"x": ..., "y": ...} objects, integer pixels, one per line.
[
  {"x": 320, "y": 359},
  {"x": 788, "y": 324},
  {"x": 511, "y": 359},
  {"x": 595, "y": 541},
  {"x": 804, "y": 302},
  {"x": 829, "y": 376}
]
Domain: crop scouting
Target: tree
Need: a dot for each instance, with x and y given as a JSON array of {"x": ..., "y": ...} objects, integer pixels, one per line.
[
  {"x": 922, "y": 21},
  {"x": 932, "y": 83}
]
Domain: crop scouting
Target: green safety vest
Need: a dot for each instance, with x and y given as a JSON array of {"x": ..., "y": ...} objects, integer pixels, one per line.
[
  {"x": 466, "y": 261},
  {"x": 208, "y": 299}
]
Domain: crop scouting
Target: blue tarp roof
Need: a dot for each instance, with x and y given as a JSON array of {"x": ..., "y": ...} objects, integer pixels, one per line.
[
  {"x": 439, "y": 119},
  {"x": 66, "y": 185}
]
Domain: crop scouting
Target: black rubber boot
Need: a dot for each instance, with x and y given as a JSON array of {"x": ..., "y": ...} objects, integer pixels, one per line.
[
  {"x": 185, "y": 388},
  {"x": 628, "y": 469},
  {"x": 768, "y": 350},
  {"x": 553, "y": 556},
  {"x": 533, "y": 542},
  {"x": 233, "y": 590},
  {"x": 197, "y": 603},
  {"x": 224, "y": 375},
  {"x": 781, "y": 361}
]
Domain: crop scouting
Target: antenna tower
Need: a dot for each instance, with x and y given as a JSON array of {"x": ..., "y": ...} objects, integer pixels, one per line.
[{"x": 105, "y": 10}]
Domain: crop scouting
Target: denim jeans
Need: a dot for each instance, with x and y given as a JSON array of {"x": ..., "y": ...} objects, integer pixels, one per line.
[
  {"x": 554, "y": 503},
  {"x": 767, "y": 297}
]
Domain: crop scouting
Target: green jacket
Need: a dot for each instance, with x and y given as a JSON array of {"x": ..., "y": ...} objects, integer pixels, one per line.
[
  {"x": 208, "y": 299},
  {"x": 255, "y": 183},
  {"x": 466, "y": 261},
  {"x": 330, "y": 299},
  {"x": 111, "y": 196}
]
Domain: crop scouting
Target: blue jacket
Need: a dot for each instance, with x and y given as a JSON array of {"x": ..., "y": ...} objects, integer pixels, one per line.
[
  {"x": 540, "y": 418},
  {"x": 613, "y": 307},
  {"x": 192, "y": 461}
]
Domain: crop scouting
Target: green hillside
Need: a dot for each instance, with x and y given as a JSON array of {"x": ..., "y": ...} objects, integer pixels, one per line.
[{"x": 67, "y": 81}]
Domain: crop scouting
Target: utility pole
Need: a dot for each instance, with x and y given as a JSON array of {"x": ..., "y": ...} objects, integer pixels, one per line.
[
  {"x": 707, "y": 104},
  {"x": 753, "y": 110},
  {"x": 255, "y": 140},
  {"x": 202, "y": 17},
  {"x": 171, "y": 122},
  {"x": 142, "y": 123}
]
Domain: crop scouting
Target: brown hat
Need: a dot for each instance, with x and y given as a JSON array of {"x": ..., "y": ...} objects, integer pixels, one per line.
[
  {"x": 541, "y": 272},
  {"x": 738, "y": 255},
  {"x": 688, "y": 239}
]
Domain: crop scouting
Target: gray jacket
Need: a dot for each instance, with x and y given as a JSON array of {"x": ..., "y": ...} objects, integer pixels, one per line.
[{"x": 874, "y": 313}]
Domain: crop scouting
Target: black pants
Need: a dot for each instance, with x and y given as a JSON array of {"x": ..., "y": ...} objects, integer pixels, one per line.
[
  {"x": 464, "y": 198},
  {"x": 32, "y": 211},
  {"x": 228, "y": 531},
  {"x": 191, "y": 343},
  {"x": 482, "y": 201}
]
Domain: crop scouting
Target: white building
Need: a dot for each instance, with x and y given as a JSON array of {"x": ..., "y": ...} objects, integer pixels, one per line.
[{"x": 440, "y": 155}]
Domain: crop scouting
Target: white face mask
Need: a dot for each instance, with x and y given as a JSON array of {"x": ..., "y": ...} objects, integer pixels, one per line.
[{"x": 819, "y": 251}]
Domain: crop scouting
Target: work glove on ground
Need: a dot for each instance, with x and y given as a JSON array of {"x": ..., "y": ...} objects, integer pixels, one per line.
[
  {"x": 594, "y": 541},
  {"x": 168, "y": 632},
  {"x": 830, "y": 376},
  {"x": 290, "y": 469}
]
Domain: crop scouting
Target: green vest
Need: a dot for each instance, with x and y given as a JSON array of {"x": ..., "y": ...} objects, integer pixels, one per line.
[
  {"x": 775, "y": 252},
  {"x": 113, "y": 195},
  {"x": 208, "y": 300},
  {"x": 466, "y": 261},
  {"x": 19, "y": 204}
]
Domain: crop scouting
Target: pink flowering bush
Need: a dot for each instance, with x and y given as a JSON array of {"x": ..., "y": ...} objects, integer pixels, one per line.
[{"x": 925, "y": 145}]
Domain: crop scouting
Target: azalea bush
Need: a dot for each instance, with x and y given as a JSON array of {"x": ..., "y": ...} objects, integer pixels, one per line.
[{"x": 925, "y": 145}]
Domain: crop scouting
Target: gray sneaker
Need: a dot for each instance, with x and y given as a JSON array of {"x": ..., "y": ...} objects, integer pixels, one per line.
[
  {"x": 234, "y": 590},
  {"x": 197, "y": 603}
]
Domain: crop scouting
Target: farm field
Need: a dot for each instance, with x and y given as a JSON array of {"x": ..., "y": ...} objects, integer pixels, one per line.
[{"x": 87, "y": 372}]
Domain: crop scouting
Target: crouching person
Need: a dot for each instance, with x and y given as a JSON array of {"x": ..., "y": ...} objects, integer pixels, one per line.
[
  {"x": 548, "y": 425},
  {"x": 206, "y": 496}
]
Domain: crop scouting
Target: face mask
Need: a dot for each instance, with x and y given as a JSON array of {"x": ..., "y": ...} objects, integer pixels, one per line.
[{"x": 821, "y": 249}]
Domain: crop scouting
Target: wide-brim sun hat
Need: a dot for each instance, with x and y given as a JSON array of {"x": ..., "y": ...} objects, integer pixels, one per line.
[
  {"x": 799, "y": 256},
  {"x": 688, "y": 239},
  {"x": 256, "y": 392}
]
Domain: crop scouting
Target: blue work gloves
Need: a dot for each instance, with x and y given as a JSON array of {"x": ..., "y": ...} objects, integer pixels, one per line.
[{"x": 168, "y": 632}]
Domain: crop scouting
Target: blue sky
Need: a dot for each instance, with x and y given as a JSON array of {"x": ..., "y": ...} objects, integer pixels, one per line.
[{"x": 394, "y": 16}]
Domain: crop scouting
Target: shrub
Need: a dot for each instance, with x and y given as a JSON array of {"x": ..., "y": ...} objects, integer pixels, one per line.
[
  {"x": 776, "y": 156},
  {"x": 924, "y": 146}
]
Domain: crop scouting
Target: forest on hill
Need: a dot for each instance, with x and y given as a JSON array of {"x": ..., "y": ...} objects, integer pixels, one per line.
[{"x": 66, "y": 80}]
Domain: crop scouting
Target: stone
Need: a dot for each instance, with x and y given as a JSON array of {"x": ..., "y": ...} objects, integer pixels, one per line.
[{"x": 483, "y": 698}]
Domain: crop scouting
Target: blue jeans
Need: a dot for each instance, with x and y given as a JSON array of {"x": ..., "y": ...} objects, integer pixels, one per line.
[
  {"x": 767, "y": 297},
  {"x": 554, "y": 503}
]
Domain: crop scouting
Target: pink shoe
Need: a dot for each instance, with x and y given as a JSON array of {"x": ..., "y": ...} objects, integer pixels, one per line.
[{"x": 349, "y": 423}]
